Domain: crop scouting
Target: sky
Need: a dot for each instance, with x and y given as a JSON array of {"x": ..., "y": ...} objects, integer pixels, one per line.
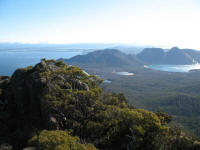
[{"x": 141, "y": 22}]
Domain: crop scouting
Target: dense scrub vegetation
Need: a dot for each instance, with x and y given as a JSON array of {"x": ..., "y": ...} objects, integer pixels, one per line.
[
  {"x": 174, "y": 93},
  {"x": 56, "y": 106}
]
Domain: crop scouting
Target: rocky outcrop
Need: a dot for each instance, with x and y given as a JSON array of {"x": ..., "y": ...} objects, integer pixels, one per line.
[
  {"x": 77, "y": 84},
  {"x": 27, "y": 87},
  {"x": 23, "y": 95}
]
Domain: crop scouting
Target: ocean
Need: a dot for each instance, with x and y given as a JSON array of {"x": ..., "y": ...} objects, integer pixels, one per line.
[{"x": 11, "y": 59}]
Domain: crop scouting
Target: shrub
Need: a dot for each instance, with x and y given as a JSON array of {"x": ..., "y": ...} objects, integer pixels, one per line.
[{"x": 58, "y": 140}]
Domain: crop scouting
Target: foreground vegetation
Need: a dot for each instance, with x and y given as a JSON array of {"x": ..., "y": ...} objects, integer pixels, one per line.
[{"x": 56, "y": 106}]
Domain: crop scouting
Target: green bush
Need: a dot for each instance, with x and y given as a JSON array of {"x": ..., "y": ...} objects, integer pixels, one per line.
[{"x": 58, "y": 140}]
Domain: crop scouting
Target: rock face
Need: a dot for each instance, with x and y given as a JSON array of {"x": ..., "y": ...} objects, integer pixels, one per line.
[{"x": 174, "y": 56}]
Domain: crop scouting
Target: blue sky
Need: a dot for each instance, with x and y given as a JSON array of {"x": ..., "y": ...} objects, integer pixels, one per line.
[{"x": 141, "y": 22}]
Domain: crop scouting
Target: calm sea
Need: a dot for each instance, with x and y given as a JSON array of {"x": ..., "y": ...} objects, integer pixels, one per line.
[{"x": 12, "y": 59}]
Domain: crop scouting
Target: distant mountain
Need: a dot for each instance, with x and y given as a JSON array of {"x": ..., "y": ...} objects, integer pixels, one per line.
[
  {"x": 193, "y": 53},
  {"x": 177, "y": 56},
  {"x": 107, "y": 57},
  {"x": 152, "y": 55},
  {"x": 129, "y": 49},
  {"x": 174, "y": 56}
]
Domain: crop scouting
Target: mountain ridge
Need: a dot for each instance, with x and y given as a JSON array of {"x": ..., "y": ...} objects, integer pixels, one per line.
[
  {"x": 107, "y": 57},
  {"x": 174, "y": 56}
]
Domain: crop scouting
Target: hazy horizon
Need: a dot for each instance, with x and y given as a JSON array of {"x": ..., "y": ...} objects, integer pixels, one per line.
[{"x": 141, "y": 23}]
